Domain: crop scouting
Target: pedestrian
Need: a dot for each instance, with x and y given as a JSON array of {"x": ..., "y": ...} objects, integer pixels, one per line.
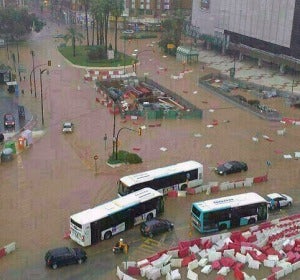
[
  {"x": 22, "y": 91},
  {"x": 24, "y": 78}
]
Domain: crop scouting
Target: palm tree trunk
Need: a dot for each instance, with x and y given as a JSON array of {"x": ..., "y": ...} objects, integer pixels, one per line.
[{"x": 116, "y": 34}]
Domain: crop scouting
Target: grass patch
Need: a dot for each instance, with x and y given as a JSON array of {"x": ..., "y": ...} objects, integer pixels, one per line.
[
  {"x": 82, "y": 59},
  {"x": 125, "y": 157}
]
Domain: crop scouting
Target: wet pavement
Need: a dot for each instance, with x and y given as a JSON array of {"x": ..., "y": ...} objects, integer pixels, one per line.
[{"x": 55, "y": 178}]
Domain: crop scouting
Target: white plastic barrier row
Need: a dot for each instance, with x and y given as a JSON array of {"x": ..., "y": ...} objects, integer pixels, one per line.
[
  {"x": 10, "y": 247},
  {"x": 191, "y": 275}
]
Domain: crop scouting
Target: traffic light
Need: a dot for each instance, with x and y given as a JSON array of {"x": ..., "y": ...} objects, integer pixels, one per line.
[
  {"x": 140, "y": 131},
  {"x": 49, "y": 62}
]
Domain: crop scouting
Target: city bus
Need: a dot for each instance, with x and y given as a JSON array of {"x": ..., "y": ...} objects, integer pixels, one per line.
[
  {"x": 227, "y": 212},
  {"x": 188, "y": 174},
  {"x": 113, "y": 217}
]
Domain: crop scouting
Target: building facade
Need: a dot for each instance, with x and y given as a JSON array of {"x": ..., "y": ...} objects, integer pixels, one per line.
[{"x": 264, "y": 28}]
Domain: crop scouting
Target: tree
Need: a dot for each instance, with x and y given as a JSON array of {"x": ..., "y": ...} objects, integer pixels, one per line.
[
  {"x": 17, "y": 23},
  {"x": 100, "y": 11},
  {"x": 116, "y": 10},
  {"x": 172, "y": 31},
  {"x": 86, "y": 6},
  {"x": 73, "y": 35}
]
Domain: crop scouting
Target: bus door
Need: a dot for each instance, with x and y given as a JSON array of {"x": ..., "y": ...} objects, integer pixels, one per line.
[{"x": 95, "y": 232}]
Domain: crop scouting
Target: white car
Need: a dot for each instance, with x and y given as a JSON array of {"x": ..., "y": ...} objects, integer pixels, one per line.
[
  {"x": 129, "y": 31},
  {"x": 68, "y": 127},
  {"x": 275, "y": 198}
]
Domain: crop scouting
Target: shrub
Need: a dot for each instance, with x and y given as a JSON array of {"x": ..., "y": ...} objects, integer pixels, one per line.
[
  {"x": 125, "y": 157},
  {"x": 253, "y": 102},
  {"x": 96, "y": 53}
]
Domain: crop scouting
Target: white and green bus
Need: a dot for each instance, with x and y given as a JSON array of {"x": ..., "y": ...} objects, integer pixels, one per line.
[
  {"x": 180, "y": 176},
  {"x": 106, "y": 220},
  {"x": 228, "y": 212}
]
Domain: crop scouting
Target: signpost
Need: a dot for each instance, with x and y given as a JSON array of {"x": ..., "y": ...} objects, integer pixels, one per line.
[{"x": 96, "y": 157}]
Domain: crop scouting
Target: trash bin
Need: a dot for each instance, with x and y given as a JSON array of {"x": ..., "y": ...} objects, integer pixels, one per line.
[
  {"x": 7, "y": 155},
  {"x": 12, "y": 145}
]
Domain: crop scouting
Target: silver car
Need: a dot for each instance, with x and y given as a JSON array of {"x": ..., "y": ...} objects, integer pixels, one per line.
[{"x": 68, "y": 127}]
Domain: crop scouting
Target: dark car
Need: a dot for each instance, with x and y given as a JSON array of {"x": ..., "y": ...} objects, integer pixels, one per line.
[
  {"x": 64, "y": 256},
  {"x": 21, "y": 112},
  {"x": 9, "y": 121},
  {"x": 231, "y": 167},
  {"x": 155, "y": 226}
]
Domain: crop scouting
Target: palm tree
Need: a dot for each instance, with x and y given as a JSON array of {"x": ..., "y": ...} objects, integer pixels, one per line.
[
  {"x": 100, "y": 11},
  {"x": 116, "y": 10},
  {"x": 86, "y": 6},
  {"x": 73, "y": 35}
]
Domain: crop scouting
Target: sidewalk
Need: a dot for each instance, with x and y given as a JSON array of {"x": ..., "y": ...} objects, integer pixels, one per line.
[{"x": 250, "y": 72}]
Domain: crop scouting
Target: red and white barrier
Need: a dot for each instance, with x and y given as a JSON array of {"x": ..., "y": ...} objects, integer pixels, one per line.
[
  {"x": 7, "y": 249},
  {"x": 274, "y": 244}
]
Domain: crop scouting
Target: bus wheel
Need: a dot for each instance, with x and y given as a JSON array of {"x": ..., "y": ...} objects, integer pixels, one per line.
[
  {"x": 107, "y": 235},
  {"x": 149, "y": 217},
  {"x": 251, "y": 221},
  {"x": 184, "y": 187},
  {"x": 222, "y": 227}
]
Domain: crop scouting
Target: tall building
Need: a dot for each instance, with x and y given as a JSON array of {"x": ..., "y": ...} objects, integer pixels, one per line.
[
  {"x": 268, "y": 30},
  {"x": 155, "y": 8},
  {"x": 12, "y": 3}
]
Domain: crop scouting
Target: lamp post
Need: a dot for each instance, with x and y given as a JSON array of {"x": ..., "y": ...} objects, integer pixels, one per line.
[
  {"x": 124, "y": 69},
  {"x": 33, "y": 70},
  {"x": 42, "y": 102},
  {"x": 114, "y": 97},
  {"x": 117, "y": 139}
]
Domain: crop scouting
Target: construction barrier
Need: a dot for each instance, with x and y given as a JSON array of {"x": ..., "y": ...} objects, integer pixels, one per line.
[
  {"x": 274, "y": 245},
  {"x": 7, "y": 249},
  {"x": 215, "y": 187}
]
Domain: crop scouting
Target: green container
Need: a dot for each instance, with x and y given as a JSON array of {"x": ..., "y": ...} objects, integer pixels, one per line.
[
  {"x": 171, "y": 114},
  {"x": 12, "y": 145}
]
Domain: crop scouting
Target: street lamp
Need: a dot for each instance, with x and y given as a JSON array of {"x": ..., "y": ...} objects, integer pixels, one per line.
[
  {"x": 33, "y": 70},
  {"x": 124, "y": 69},
  {"x": 42, "y": 103},
  {"x": 117, "y": 139},
  {"x": 114, "y": 97}
]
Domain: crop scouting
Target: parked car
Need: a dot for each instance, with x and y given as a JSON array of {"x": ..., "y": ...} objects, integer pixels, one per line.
[
  {"x": 64, "y": 256},
  {"x": 231, "y": 167},
  {"x": 156, "y": 226},
  {"x": 129, "y": 31},
  {"x": 68, "y": 127},
  {"x": 278, "y": 200},
  {"x": 9, "y": 121}
]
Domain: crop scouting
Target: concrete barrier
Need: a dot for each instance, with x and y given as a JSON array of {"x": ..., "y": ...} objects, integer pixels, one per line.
[
  {"x": 191, "y": 275},
  {"x": 7, "y": 249}
]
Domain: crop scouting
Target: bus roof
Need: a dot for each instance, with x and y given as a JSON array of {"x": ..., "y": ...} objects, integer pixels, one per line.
[
  {"x": 108, "y": 208},
  {"x": 159, "y": 172},
  {"x": 229, "y": 201}
]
